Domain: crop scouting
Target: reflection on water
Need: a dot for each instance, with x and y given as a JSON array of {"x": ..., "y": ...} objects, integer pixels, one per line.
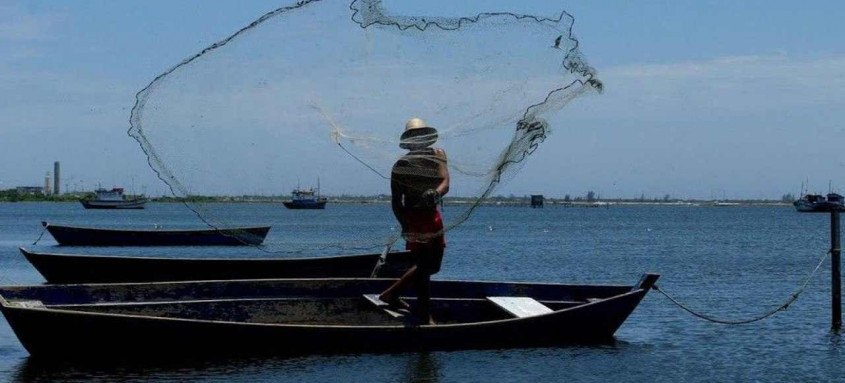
[
  {"x": 836, "y": 338},
  {"x": 504, "y": 364},
  {"x": 404, "y": 367},
  {"x": 423, "y": 367},
  {"x": 45, "y": 370}
]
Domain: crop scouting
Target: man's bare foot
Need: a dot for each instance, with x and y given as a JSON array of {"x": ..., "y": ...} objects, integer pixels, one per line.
[{"x": 393, "y": 301}]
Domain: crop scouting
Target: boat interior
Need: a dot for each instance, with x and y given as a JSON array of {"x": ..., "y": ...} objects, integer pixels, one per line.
[{"x": 312, "y": 311}]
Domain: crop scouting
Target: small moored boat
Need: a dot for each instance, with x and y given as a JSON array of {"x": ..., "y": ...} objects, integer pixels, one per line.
[
  {"x": 306, "y": 199},
  {"x": 112, "y": 199},
  {"x": 76, "y": 268},
  {"x": 724, "y": 204},
  {"x": 90, "y": 236},
  {"x": 302, "y": 316},
  {"x": 815, "y": 203}
]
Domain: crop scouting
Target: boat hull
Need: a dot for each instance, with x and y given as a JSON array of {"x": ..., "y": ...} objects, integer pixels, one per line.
[
  {"x": 87, "y": 236},
  {"x": 296, "y": 205},
  {"x": 118, "y": 205},
  {"x": 74, "y": 268},
  {"x": 207, "y": 318},
  {"x": 817, "y": 207}
]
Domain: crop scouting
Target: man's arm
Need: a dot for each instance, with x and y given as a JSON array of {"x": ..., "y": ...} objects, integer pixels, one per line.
[
  {"x": 396, "y": 192},
  {"x": 443, "y": 172}
]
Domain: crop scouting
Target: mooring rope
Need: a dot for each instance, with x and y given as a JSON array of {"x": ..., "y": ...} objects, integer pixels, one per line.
[
  {"x": 782, "y": 307},
  {"x": 44, "y": 230}
]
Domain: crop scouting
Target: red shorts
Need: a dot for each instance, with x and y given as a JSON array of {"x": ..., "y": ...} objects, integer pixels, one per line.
[{"x": 423, "y": 230}]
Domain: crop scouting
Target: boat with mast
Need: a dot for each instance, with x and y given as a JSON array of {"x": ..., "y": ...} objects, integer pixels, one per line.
[
  {"x": 812, "y": 203},
  {"x": 112, "y": 199},
  {"x": 306, "y": 198}
]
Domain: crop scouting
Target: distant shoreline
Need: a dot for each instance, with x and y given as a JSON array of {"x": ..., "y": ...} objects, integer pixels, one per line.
[{"x": 495, "y": 201}]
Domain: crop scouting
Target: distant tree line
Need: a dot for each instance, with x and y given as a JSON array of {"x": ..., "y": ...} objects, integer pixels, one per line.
[{"x": 12, "y": 195}]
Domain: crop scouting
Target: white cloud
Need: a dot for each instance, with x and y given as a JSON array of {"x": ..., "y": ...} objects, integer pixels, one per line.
[
  {"x": 737, "y": 69},
  {"x": 736, "y": 84},
  {"x": 745, "y": 124},
  {"x": 18, "y": 24}
]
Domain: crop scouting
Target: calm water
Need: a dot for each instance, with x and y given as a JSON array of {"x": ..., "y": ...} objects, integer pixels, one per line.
[{"x": 731, "y": 262}]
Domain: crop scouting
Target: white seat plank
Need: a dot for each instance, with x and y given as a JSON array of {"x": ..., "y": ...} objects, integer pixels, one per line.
[
  {"x": 520, "y": 307},
  {"x": 392, "y": 311}
]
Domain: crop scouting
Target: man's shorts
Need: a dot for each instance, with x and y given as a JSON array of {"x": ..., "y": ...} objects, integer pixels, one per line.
[
  {"x": 428, "y": 261},
  {"x": 425, "y": 238}
]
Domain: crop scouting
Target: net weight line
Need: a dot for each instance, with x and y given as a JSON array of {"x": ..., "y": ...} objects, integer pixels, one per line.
[{"x": 792, "y": 298}]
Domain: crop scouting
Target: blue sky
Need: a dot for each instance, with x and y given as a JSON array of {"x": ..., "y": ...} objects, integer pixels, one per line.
[{"x": 703, "y": 99}]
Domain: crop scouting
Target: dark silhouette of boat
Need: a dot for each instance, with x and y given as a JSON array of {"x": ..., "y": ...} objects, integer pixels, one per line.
[
  {"x": 112, "y": 199},
  {"x": 815, "y": 203},
  {"x": 76, "y": 268},
  {"x": 304, "y": 316},
  {"x": 90, "y": 236},
  {"x": 306, "y": 199}
]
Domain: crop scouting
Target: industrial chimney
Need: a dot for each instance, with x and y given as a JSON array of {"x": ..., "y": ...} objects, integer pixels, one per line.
[
  {"x": 56, "y": 178},
  {"x": 47, "y": 187}
]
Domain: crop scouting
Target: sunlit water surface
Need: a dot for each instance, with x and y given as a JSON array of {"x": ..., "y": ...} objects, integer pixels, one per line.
[{"x": 730, "y": 262}]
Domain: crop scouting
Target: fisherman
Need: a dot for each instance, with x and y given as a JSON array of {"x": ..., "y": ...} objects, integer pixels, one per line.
[{"x": 418, "y": 181}]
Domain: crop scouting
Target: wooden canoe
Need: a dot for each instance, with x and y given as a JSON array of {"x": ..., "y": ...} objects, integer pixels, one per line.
[
  {"x": 303, "y": 316},
  {"x": 76, "y": 268},
  {"x": 91, "y": 236}
]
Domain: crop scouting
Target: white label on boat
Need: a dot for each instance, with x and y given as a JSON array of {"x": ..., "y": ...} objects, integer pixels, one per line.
[{"x": 520, "y": 307}]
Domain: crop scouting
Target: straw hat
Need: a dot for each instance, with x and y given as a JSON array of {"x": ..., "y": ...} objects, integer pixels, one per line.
[{"x": 417, "y": 135}]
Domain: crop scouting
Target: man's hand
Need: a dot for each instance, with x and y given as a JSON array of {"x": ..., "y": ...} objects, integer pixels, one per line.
[{"x": 430, "y": 198}]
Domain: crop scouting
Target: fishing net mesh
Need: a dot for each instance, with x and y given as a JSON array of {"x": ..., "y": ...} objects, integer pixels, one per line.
[{"x": 324, "y": 89}]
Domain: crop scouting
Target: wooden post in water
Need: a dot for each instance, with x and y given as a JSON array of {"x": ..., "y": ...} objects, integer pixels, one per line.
[
  {"x": 834, "y": 204},
  {"x": 835, "y": 276}
]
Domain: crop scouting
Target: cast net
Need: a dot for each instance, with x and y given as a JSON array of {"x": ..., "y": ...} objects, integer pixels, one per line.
[{"x": 324, "y": 89}]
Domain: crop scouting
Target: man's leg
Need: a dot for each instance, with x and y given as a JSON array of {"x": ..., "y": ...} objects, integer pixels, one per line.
[
  {"x": 422, "y": 284},
  {"x": 391, "y": 295}
]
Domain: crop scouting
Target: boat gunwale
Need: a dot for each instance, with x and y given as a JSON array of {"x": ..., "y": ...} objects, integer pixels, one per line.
[
  {"x": 329, "y": 279},
  {"x": 266, "y": 299}
]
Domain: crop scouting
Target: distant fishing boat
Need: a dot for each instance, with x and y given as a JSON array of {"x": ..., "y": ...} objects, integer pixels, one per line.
[
  {"x": 306, "y": 199},
  {"x": 90, "y": 236},
  {"x": 724, "y": 204},
  {"x": 813, "y": 203},
  {"x": 112, "y": 199},
  {"x": 306, "y": 316},
  {"x": 84, "y": 268}
]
